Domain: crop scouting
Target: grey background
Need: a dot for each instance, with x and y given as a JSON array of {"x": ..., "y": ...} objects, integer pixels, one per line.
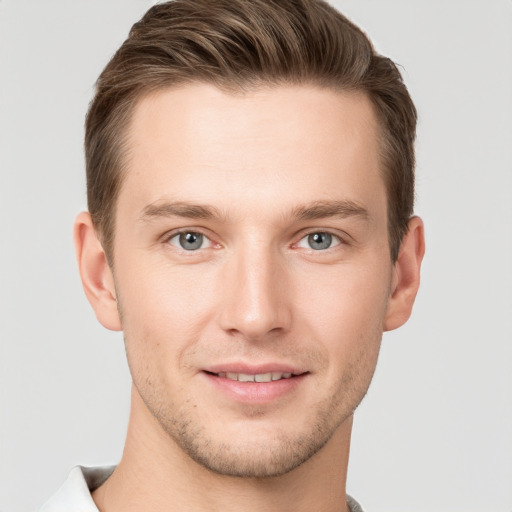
[{"x": 435, "y": 431}]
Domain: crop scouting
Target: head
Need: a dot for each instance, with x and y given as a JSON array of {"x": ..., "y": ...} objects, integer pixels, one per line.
[
  {"x": 250, "y": 184},
  {"x": 238, "y": 46}
]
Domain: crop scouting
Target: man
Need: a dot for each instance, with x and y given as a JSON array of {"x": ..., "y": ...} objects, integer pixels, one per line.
[{"x": 250, "y": 174}]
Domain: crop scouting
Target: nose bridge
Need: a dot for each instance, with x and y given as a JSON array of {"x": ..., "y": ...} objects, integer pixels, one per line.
[{"x": 255, "y": 284}]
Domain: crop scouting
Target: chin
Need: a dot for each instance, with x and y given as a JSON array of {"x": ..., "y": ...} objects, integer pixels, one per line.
[
  {"x": 257, "y": 447},
  {"x": 253, "y": 459}
]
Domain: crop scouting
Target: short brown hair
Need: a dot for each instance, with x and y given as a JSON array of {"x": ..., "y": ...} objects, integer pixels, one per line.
[{"x": 236, "y": 45}]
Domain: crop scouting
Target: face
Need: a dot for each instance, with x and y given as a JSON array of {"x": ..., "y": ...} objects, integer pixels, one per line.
[{"x": 252, "y": 269}]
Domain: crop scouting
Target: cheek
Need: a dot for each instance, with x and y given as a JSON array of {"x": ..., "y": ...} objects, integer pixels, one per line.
[
  {"x": 346, "y": 309},
  {"x": 163, "y": 310}
]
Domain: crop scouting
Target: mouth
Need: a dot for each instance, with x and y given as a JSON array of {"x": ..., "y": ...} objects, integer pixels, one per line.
[
  {"x": 256, "y": 385},
  {"x": 256, "y": 377}
]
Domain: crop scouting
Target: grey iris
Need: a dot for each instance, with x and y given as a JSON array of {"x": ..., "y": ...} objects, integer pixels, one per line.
[
  {"x": 319, "y": 241},
  {"x": 191, "y": 241}
]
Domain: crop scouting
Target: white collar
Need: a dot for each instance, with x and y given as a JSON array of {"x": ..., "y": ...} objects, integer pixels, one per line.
[{"x": 75, "y": 492}]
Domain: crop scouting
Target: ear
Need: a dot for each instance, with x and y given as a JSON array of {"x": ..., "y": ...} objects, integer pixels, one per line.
[
  {"x": 406, "y": 279},
  {"x": 95, "y": 272}
]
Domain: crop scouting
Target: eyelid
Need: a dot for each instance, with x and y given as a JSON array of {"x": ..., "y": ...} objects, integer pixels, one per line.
[
  {"x": 205, "y": 241},
  {"x": 169, "y": 235},
  {"x": 336, "y": 235},
  {"x": 341, "y": 238}
]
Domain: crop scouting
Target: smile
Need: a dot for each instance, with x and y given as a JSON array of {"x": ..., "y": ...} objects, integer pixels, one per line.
[
  {"x": 258, "y": 377},
  {"x": 255, "y": 385}
]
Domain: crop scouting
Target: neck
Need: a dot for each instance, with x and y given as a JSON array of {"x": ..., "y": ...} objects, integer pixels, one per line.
[{"x": 155, "y": 474}]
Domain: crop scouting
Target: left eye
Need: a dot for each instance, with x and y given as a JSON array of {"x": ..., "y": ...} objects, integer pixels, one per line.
[
  {"x": 319, "y": 241},
  {"x": 190, "y": 241}
]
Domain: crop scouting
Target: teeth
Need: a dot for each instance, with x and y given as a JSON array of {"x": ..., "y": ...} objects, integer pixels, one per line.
[
  {"x": 259, "y": 377},
  {"x": 263, "y": 377},
  {"x": 245, "y": 377}
]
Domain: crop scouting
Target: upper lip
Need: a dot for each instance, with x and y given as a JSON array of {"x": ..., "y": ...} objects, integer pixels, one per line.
[{"x": 254, "y": 369}]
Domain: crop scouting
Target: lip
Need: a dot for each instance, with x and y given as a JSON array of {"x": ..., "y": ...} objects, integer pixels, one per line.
[
  {"x": 253, "y": 369},
  {"x": 256, "y": 393}
]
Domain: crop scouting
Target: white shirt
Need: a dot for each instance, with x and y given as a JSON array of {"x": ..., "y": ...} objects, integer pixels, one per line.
[{"x": 75, "y": 493}]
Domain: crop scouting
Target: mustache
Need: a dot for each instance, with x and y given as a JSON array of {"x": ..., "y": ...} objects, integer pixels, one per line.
[{"x": 307, "y": 357}]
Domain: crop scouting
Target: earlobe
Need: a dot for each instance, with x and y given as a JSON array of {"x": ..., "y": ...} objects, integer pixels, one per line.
[
  {"x": 406, "y": 278},
  {"x": 95, "y": 272}
]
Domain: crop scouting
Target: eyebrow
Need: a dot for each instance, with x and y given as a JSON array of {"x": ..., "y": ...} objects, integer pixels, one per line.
[
  {"x": 179, "y": 209},
  {"x": 334, "y": 208},
  {"x": 311, "y": 211}
]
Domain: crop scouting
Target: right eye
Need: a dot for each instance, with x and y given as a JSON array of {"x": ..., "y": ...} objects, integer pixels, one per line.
[{"x": 190, "y": 241}]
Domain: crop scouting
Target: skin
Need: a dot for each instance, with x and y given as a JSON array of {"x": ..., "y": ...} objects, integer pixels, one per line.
[{"x": 257, "y": 175}]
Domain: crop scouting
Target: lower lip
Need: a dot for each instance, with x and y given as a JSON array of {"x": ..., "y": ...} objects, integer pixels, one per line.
[{"x": 255, "y": 392}]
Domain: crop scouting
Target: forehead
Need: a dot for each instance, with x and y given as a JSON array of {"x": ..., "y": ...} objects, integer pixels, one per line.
[{"x": 274, "y": 145}]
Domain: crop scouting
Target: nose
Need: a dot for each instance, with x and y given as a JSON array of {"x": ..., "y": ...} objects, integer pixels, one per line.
[{"x": 257, "y": 294}]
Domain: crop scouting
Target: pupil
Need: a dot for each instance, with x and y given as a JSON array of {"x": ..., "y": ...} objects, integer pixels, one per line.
[
  {"x": 320, "y": 241},
  {"x": 191, "y": 241}
]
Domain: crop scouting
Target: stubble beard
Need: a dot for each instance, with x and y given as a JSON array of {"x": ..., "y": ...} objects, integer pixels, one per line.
[
  {"x": 248, "y": 458},
  {"x": 269, "y": 457},
  {"x": 272, "y": 456}
]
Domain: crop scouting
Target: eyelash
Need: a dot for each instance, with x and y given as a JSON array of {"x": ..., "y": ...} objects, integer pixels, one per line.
[
  {"x": 336, "y": 240},
  {"x": 333, "y": 238},
  {"x": 176, "y": 234}
]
